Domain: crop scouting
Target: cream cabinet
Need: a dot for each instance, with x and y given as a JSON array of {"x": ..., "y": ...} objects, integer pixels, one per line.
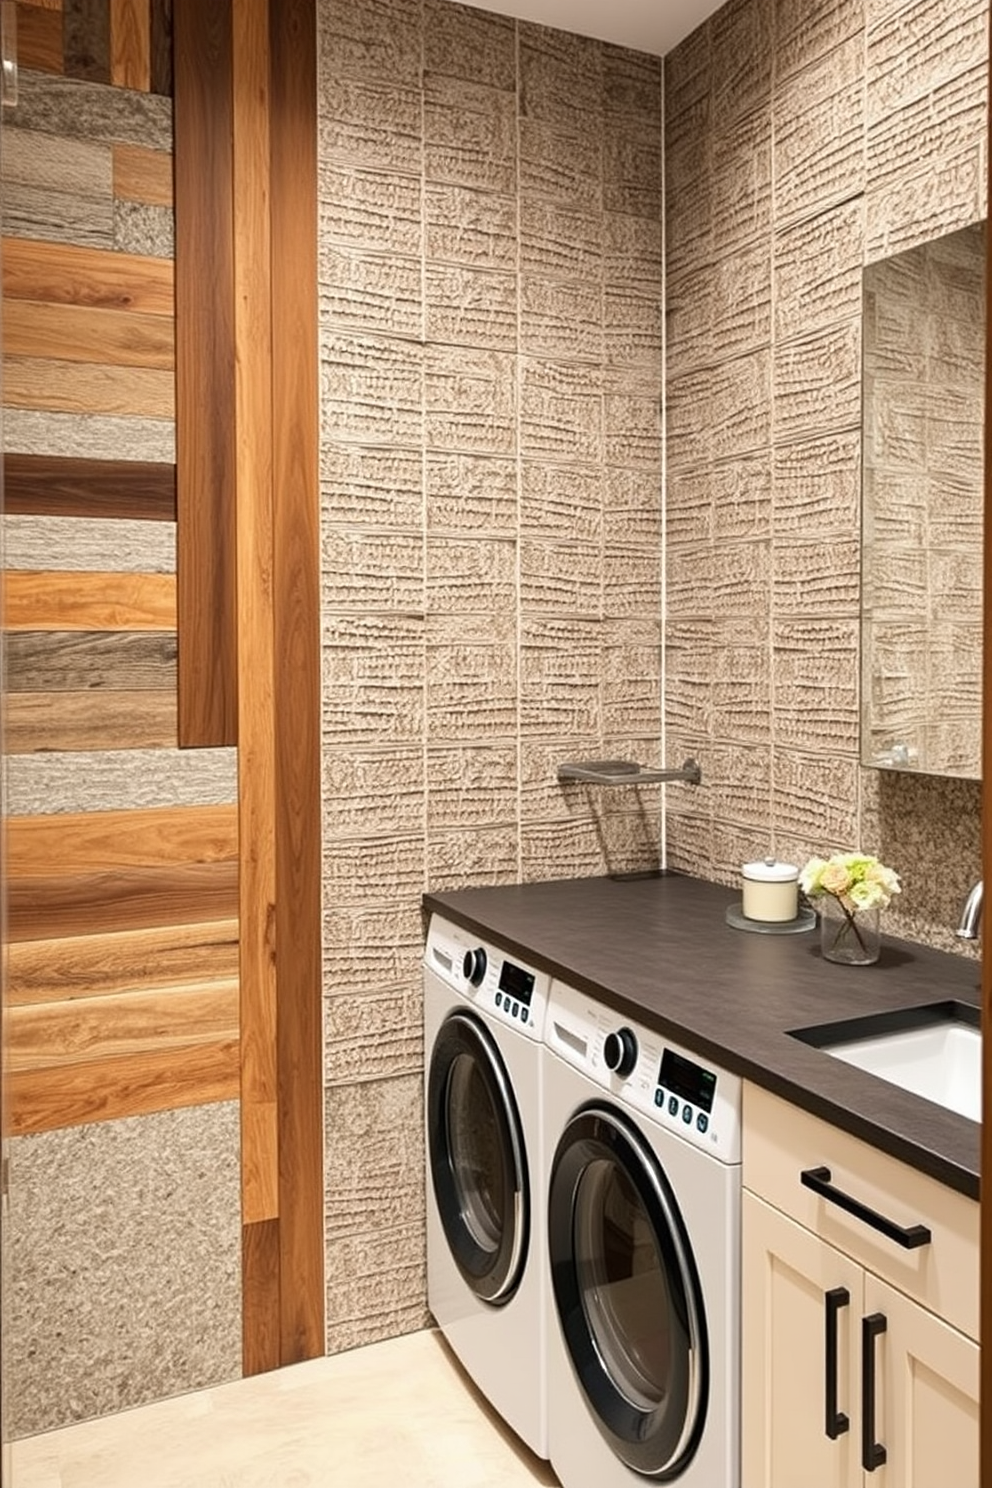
[{"x": 860, "y": 1313}]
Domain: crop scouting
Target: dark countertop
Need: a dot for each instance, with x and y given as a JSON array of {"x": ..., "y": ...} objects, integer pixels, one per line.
[{"x": 660, "y": 950}]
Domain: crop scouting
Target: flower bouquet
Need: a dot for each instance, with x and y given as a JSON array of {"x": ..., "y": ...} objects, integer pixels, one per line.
[{"x": 849, "y": 889}]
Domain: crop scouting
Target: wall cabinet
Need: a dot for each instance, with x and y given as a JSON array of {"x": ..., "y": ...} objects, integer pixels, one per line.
[{"x": 852, "y": 1375}]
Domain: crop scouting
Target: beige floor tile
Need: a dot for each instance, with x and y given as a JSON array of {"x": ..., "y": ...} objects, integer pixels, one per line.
[{"x": 400, "y": 1412}]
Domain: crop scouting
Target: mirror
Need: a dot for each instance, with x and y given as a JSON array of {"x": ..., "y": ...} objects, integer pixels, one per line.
[{"x": 922, "y": 435}]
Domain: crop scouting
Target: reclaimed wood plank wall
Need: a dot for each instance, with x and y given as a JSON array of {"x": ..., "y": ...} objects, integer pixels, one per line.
[
  {"x": 131, "y": 988},
  {"x": 122, "y": 977}
]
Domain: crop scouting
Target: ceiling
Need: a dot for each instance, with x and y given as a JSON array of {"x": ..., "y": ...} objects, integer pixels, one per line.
[{"x": 646, "y": 25}]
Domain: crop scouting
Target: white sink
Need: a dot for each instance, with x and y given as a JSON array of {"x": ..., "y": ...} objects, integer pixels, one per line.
[{"x": 937, "y": 1053}]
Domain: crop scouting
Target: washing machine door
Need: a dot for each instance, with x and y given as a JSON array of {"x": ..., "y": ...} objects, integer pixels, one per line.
[
  {"x": 477, "y": 1158},
  {"x": 627, "y": 1292}
]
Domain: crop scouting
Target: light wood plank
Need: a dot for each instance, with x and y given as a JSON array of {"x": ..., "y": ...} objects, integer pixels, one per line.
[
  {"x": 80, "y": 842},
  {"x": 296, "y": 431},
  {"x": 110, "y": 1089},
  {"x": 64, "y": 274},
  {"x": 40, "y": 5},
  {"x": 256, "y": 682},
  {"x": 78, "y": 721},
  {"x": 79, "y": 333},
  {"x": 88, "y": 601},
  {"x": 70, "y": 387},
  {"x": 143, "y": 175},
  {"x": 54, "y": 1034},
  {"x": 121, "y": 899},
  {"x": 123, "y": 961},
  {"x": 130, "y": 44}
]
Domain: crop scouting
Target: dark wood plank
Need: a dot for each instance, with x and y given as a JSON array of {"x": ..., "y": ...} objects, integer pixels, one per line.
[
  {"x": 161, "y": 48},
  {"x": 86, "y": 39},
  {"x": 80, "y": 722},
  {"x": 296, "y": 579},
  {"x": 131, "y": 899},
  {"x": 205, "y": 362},
  {"x": 61, "y": 486},
  {"x": 260, "y": 1296},
  {"x": 39, "y": 39},
  {"x": 97, "y": 660}
]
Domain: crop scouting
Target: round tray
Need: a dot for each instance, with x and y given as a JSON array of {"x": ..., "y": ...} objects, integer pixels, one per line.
[{"x": 805, "y": 920}]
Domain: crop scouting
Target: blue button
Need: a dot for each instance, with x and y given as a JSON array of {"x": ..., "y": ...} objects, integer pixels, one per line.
[
  {"x": 514, "y": 1009},
  {"x": 659, "y": 1097},
  {"x": 687, "y": 1114},
  {"x": 499, "y": 999},
  {"x": 702, "y": 1121},
  {"x": 673, "y": 1105}
]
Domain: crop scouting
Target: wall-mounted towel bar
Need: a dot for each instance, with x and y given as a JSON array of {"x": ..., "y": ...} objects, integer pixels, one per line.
[{"x": 626, "y": 772}]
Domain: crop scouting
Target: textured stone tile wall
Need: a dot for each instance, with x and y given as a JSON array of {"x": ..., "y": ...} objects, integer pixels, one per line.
[
  {"x": 491, "y": 338},
  {"x": 801, "y": 142}
]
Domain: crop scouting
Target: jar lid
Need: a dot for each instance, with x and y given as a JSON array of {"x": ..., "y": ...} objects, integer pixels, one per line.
[{"x": 768, "y": 870}]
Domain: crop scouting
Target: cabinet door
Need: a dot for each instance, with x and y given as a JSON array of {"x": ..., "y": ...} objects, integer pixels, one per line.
[
  {"x": 926, "y": 1394},
  {"x": 788, "y": 1274}
]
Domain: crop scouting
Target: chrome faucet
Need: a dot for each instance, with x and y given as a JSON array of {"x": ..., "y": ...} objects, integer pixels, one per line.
[{"x": 971, "y": 914}]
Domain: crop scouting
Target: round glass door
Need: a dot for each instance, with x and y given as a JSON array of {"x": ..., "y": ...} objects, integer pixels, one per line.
[
  {"x": 627, "y": 1293},
  {"x": 477, "y": 1158}
]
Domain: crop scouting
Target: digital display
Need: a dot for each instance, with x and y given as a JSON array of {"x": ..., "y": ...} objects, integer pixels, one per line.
[
  {"x": 690, "y": 1082},
  {"x": 516, "y": 982}
]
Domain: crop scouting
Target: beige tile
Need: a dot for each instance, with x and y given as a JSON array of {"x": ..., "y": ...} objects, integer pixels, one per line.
[
  {"x": 561, "y": 318},
  {"x": 920, "y": 48},
  {"x": 563, "y": 166},
  {"x": 471, "y": 784},
  {"x": 804, "y": 33},
  {"x": 462, "y": 41},
  {"x": 561, "y": 77},
  {"x": 817, "y": 485},
  {"x": 373, "y": 943},
  {"x": 721, "y": 309},
  {"x": 471, "y": 575},
  {"x": 561, "y": 411},
  {"x": 372, "y": 670},
  {"x": 563, "y": 501},
  {"x": 741, "y": 56},
  {"x": 561, "y": 669},
  {"x": 466, "y": 856},
  {"x": 373, "y": 791},
  {"x": 371, "y": 125},
  {"x": 561, "y": 240},
  {"x": 632, "y": 173},
  {"x": 371, "y": 570},
  {"x": 470, "y": 399},
  {"x": 687, "y": 73},
  {"x": 371, "y": 388},
  {"x": 280, "y": 1427},
  {"x": 633, "y": 255},
  {"x": 358, "y": 870},
  {"x": 372, "y": 1034},
  {"x": 470, "y": 134},
  {"x": 467, "y": 306},
  {"x": 720, "y": 411},
  {"x": 816, "y": 685},
  {"x": 560, "y": 577},
  {"x": 471, "y": 493},
  {"x": 472, "y": 227},
  {"x": 378, "y": 486},
  {"x": 632, "y": 84},
  {"x": 368, "y": 209},
  {"x": 818, "y": 270},
  {"x": 371, "y": 39},
  {"x": 818, "y": 382},
  {"x": 819, "y": 133},
  {"x": 377, "y": 292},
  {"x": 816, "y": 794}
]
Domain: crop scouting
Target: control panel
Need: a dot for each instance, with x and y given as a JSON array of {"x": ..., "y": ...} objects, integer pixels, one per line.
[
  {"x": 647, "y": 1072},
  {"x": 487, "y": 977}
]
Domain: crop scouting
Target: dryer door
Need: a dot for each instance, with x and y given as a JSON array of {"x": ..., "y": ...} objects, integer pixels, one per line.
[
  {"x": 477, "y": 1157},
  {"x": 627, "y": 1292}
]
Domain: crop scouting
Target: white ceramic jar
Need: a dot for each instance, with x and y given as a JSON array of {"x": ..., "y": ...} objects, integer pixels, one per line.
[{"x": 771, "y": 891}]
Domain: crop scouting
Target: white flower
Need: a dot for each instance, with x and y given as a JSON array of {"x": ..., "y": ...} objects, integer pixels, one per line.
[{"x": 857, "y": 879}]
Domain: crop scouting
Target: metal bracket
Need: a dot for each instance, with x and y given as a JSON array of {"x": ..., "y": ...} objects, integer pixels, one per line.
[{"x": 626, "y": 772}]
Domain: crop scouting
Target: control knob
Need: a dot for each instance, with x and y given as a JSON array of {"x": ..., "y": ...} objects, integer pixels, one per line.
[
  {"x": 620, "y": 1051},
  {"x": 474, "y": 966}
]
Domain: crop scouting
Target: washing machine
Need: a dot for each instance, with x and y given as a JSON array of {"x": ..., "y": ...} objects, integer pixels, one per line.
[
  {"x": 483, "y": 1058},
  {"x": 642, "y": 1149}
]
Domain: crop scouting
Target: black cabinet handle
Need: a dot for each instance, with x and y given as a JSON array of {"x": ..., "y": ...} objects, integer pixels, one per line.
[
  {"x": 909, "y": 1237},
  {"x": 836, "y": 1421},
  {"x": 872, "y": 1452}
]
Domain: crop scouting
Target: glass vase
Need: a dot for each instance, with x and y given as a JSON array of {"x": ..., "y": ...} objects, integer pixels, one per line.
[{"x": 851, "y": 937}]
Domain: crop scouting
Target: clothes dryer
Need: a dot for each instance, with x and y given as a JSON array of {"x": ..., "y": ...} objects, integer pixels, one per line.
[
  {"x": 483, "y": 1058},
  {"x": 642, "y": 1148}
]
